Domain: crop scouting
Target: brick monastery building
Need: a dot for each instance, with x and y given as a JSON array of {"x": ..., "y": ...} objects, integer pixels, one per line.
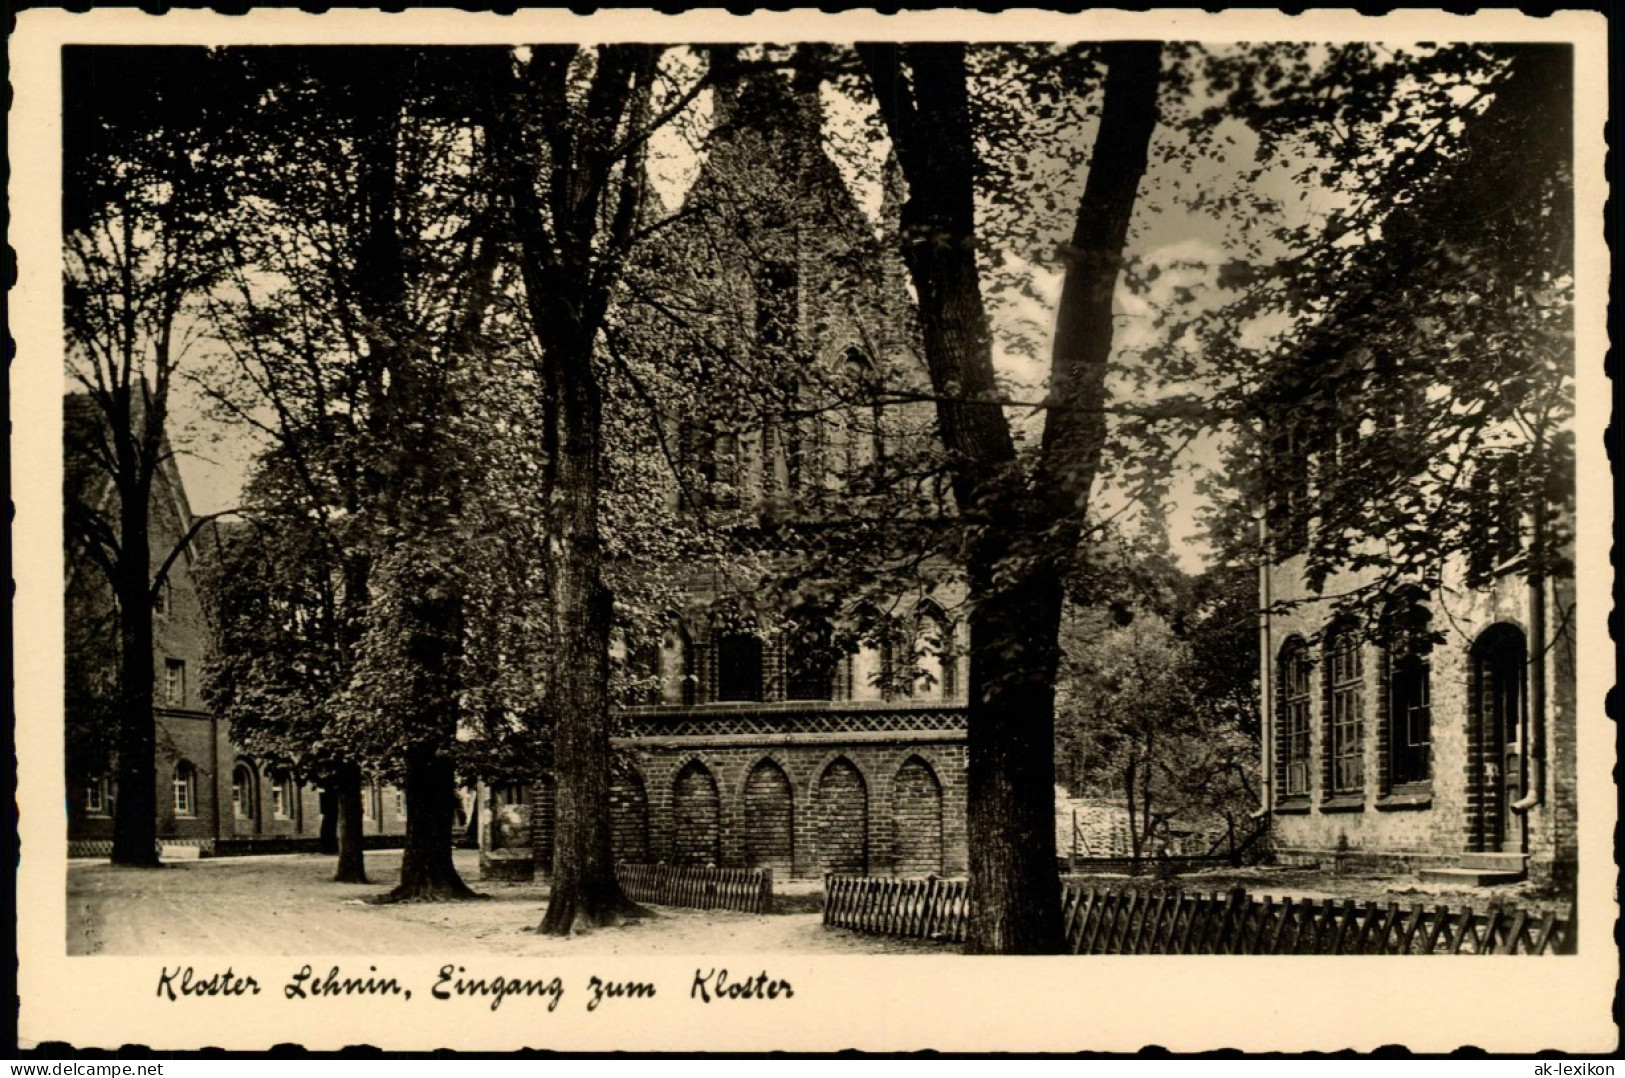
[
  {"x": 775, "y": 737},
  {"x": 210, "y": 796}
]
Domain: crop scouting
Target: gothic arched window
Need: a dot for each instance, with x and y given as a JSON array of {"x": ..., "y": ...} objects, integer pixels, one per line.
[
  {"x": 709, "y": 463},
  {"x": 676, "y": 672},
  {"x": 933, "y": 653},
  {"x": 868, "y": 654},
  {"x": 862, "y": 440}
]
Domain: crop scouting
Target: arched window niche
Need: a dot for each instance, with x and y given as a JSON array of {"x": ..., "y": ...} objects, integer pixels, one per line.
[
  {"x": 862, "y": 438},
  {"x": 243, "y": 792},
  {"x": 675, "y": 665},
  {"x": 870, "y": 644},
  {"x": 660, "y": 665},
  {"x": 933, "y": 653}
]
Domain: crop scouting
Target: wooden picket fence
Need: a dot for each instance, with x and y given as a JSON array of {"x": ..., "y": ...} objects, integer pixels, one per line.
[
  {"x": 749, "y": 890},
  {"x": 931, "y": 908},
  {"x": 1109, "y": 921},
  {"x": 1170, "y": 921}
]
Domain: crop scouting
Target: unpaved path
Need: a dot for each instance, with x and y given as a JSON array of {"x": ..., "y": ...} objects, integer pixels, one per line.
[{"x": 288, "y": 905}]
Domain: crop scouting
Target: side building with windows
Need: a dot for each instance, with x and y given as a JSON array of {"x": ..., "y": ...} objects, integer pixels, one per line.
[
  {"x": 1437, "y": 735},
  {"x": 1419, "y": 648},
  {"x": 210, "y": 796},
  {"x": 194, "y": 756}
]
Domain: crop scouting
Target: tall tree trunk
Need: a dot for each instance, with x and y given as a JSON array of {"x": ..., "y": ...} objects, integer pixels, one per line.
[
  {"x": 352, "y": 862},
  {"x": 1015, "y": 598},
  {"x": 346, "y": 788},
  {"x": 135, "y": 812},
  {"x": 327, "y": 839},
  {"x": 1075, "y": 424},
  {"x": 567, "y": 291},
  {"x": 1018, "y": 531},
  {"x": 585, "y": 890},
  {"x": 1010, "y": 778},
  {"x": 409, "y": 490},
  {"x": 427, "y": 871}
]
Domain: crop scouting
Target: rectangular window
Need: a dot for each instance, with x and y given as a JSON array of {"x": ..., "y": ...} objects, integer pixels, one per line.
[
  {"x": 725, "y": 471},
  {"x": 1497, "y": 524},
  {"x": 185, "y": 794},
  {"x": 1412, "y": 719},
  {"x": 1289, "y": 494},
  {"x": 777, "y": 308},
  {"x": 1347, "y": 677},
  {"x": 96, "y": 797},
  {"x": 697, "y": 462},
  {"x": 1295, "y": 720},
  {"x": 282, "y": 798},
  {"x": 175, "y": 682},
  {"x": 160, "y": 599}
]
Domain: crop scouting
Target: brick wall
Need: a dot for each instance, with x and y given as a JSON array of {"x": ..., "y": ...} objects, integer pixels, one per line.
[
  {"x": 188, "y": 742},
  {"x": 629, "y": 816},
  {"x": 769, "y": 813},
  {"x": 695, "y": 818},
  {"x": 842, "y": 819},
  {"x": 916, "y": 818},
  {"x": 892, "y": 807}
]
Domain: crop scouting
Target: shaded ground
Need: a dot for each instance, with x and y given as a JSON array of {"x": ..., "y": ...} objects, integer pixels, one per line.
[
  {"x": 287, "y": 904},
  {"x": 1281, "y": 882}
]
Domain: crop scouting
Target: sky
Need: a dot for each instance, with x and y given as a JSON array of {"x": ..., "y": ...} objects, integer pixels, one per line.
[{"x": 215, "y": 460}]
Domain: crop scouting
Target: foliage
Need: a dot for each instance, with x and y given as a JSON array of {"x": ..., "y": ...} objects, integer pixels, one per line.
[
  {"x": 384, "y": 443},
  {"x": 1415, "y": 407},
  {"x": 1133, "y": 720},
  {"x": 481, "y": 352},
  {"x": 792, "y": 439},
  {"x": 272, "y": 597},
  {"x": 141, "y": 192}
]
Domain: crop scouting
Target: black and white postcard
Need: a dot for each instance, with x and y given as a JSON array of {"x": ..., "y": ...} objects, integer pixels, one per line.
[{"x": 811, "y": 532}]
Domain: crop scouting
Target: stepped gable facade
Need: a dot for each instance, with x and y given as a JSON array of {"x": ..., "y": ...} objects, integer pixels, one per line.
[{"x": 790, "y": 733}]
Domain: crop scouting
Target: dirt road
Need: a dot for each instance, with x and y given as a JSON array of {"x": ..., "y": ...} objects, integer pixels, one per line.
[{"x": 288, "y": 905}]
